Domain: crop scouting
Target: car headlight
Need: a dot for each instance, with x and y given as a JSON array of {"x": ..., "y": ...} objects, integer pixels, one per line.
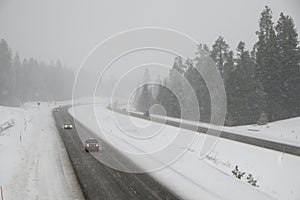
[
  {"x": 97, "y": 145},
  {"x": 87, "y": 145}
]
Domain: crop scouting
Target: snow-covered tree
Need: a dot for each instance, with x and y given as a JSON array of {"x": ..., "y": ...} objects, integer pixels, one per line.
[
  {"x": 219, "y": 53},
  {"x": 145, "y": 100},
  {"x": 289, "y": 80},
  {"x": 267, "y": 69}
]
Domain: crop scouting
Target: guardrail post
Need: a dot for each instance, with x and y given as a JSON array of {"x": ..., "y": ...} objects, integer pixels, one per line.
[{"x": 1, "y": 192}]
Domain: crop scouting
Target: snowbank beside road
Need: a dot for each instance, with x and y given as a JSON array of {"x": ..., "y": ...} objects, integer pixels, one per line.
[
  {"x": 10, "y": 145},
  {"x": 277, "y": 173},
  {"x": 33, "y": 161},
  {"x": 283, "y": 131}
]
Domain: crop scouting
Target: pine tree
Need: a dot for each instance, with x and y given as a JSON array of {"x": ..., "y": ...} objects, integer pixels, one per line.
[
  {"x": 289, "y": 81},
  {"x": 242, "y": 89},
  {"x": 178, "y": 65},
  {"x": 145, "y": 100},
  {"x": 167, "y": 99},
  {"x": 189, "y": 110},
  {"x": 5, "y": 73},
  {"x": 232, "y": 98},
  {"x": 219, "y": 53},
  {"x": 31, "y": 80},
  {"x": 17, "y": 71},
  {"x": 143, "y": 97},
  {"x": 202, "y": 63},
  {"x": 267, "y": 67},
  {"x": 224, "y": 60},
  {"x": 228, "y": 67},
  {"x": 175, "y": 84}
]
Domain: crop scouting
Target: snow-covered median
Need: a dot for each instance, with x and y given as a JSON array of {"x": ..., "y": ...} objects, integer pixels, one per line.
[
  {"x": 33, "y": 161},
  {"x": 277, "y": 174},
  {"x": 283, "y": 131}
]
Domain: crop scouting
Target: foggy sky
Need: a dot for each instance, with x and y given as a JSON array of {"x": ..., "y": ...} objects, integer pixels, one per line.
[{"x": 69, "y": 29}]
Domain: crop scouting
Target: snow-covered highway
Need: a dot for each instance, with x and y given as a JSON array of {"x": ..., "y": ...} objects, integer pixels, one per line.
[
  {"x": 99, "y": 181},
  {"x": 35, "y": 163},
  {"x": 189, "y": 176}
]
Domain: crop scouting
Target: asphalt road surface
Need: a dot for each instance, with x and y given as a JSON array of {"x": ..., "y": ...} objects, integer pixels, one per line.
[{"x": 96, "y": 179}]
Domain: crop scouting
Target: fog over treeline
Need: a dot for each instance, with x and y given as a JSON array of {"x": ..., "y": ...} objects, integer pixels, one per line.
[
  {"x": 262, "y": 84},
  {"x": 31, "y": 80}
]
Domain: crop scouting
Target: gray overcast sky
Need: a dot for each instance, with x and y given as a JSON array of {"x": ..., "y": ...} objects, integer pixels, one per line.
[{"x": 68, "y": 29}]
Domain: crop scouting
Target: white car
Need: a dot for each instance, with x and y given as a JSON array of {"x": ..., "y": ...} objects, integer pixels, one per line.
[{"x": 68, "y": 126}]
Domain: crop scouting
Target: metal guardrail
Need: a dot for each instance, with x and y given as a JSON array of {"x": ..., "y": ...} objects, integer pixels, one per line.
[{"x": 276, "y": 146}]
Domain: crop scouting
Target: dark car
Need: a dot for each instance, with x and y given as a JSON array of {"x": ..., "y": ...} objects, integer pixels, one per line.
[
  {"x": 68, "y": 126},
  {"x": 91, "y": 144}
]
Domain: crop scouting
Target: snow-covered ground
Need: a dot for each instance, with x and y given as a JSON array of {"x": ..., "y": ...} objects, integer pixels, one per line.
[
  {"x": 34, "y": 164},
  {"x": 277, "y": 174},
  {"x": 284, "y": 131},
  {"x": 33, "y": 160}
]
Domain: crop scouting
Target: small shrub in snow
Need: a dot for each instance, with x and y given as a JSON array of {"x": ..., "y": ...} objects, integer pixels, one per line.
[
  {"x": 251, "y": 180},
  {"x": 237, "y": 173}
]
